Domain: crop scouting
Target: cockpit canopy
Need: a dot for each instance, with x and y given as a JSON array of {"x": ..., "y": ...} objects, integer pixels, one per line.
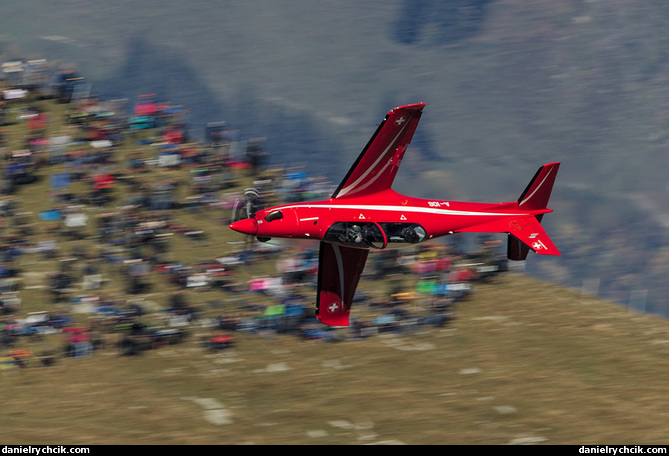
[{"x": 274, "y": 215}]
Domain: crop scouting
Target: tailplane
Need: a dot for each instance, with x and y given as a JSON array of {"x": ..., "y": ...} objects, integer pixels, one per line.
[{"x": 527, "y": 233}]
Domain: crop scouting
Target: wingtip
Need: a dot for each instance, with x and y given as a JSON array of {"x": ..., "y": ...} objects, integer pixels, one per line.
[
  {"x": 340, "y": 320},
  {"x": 410, "y": 107}
]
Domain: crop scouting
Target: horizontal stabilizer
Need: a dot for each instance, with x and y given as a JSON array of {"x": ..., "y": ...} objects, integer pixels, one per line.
[
  {"x": 529, "y": 231},
  {"x": 525, "y": 234}
]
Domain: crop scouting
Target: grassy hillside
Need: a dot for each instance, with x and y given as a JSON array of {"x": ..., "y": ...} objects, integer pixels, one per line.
[{"x": 522, "y": 361}]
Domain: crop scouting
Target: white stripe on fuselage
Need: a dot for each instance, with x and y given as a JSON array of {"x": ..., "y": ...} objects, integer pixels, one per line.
[{"x": 415, "y": 209}]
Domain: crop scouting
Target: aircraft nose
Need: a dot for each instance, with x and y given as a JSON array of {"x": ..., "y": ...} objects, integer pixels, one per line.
[{"x": 245, "y": 226}]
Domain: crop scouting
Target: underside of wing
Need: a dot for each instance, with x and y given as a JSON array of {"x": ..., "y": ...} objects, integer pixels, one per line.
[
  {"x": 339, "y": 271},
  {"x": 378, "y": 163}
]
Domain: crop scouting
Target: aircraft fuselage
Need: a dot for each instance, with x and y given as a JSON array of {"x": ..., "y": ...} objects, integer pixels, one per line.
[{"x": 386, "y": 220}]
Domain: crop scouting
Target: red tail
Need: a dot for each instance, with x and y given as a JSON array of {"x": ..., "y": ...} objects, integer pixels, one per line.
[
  {"x": 524, "y": 228},
  {"x": 538, "y": 191},
  {"x": 534, "y": 197}
]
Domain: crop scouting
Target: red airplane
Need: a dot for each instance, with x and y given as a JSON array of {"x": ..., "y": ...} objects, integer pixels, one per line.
[{"x": 364, "y": 214}]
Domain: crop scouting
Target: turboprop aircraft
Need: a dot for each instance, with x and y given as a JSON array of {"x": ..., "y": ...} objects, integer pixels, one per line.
[{"x": 365, "y": 213}]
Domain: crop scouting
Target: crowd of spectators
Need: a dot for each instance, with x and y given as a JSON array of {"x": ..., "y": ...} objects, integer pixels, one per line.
[{"x": 127, "y": 237}]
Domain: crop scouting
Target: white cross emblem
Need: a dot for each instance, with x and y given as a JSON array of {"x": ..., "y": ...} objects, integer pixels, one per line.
[
  {"x": 333, "y": 307},
  {"x": 400, "y": 121},
  {"x": 538, "y": 245}
]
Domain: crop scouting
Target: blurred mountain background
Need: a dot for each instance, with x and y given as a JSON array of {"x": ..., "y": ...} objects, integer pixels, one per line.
[{"x": 510, "y": 85}]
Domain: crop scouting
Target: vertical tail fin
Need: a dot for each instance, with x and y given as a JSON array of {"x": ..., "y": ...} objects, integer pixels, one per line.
[{"x": 539, "y": 189}]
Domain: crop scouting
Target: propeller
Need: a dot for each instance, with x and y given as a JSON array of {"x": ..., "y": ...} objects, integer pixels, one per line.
[{"x": 247, "y": 206}]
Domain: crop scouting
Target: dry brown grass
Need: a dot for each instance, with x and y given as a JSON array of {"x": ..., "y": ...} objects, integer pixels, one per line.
[{"x": 523, "y": 362}]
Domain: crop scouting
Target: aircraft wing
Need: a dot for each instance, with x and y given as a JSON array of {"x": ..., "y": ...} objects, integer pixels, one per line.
[
  {"x": 377, "y": 164},
  {"x": 339, "y": 270}
]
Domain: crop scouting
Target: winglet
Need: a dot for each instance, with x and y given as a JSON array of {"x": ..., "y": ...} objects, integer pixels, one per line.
[{"x": 377, "y": 165}]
